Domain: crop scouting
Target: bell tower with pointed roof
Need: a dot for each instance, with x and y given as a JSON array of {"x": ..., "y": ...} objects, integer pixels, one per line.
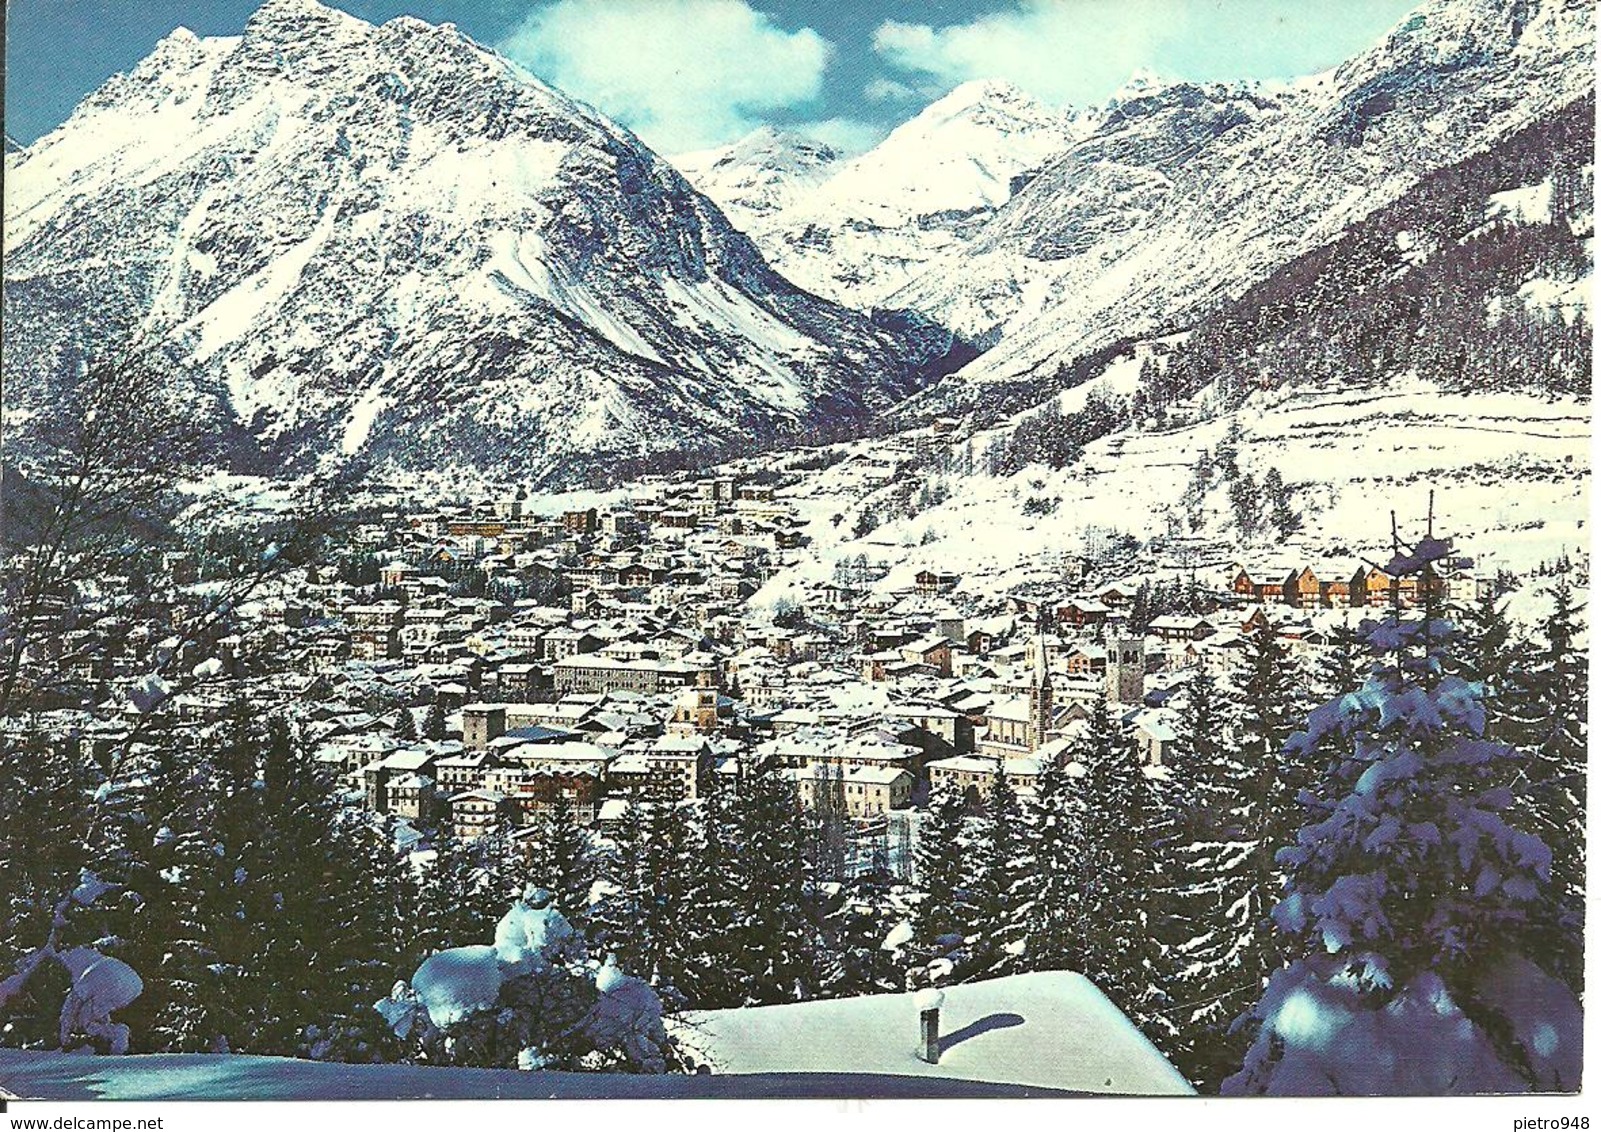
[{"x": 1040, "y": 698}]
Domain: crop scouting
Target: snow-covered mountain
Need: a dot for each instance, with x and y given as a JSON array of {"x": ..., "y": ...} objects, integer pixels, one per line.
[
  {"x": 767, "y": 171},
  {"x": 856, "y": 230},
  {"x": 1440, "y": 345},
  {"x": 1184, "y": 195},
  {"x": 392, "y": 242}
]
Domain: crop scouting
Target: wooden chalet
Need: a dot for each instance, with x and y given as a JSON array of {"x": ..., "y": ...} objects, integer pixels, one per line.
[{"x": 1302, "y": 589}]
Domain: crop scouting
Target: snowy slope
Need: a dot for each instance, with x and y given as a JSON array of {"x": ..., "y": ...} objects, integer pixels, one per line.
[
  {"x": 389, "y": 241},
  {"x": 767, "y": 171},
  {"x": 1184, "y": 195},
  {"x": 1052, "y": 1029},
  {"x": 858, "y": 229},
  {"x": 1349, "y": 457}
]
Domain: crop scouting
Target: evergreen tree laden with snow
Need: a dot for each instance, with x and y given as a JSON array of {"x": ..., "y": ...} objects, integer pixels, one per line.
[
  {"x": 1488, "y": 649},
  {"x": 45, "y": 796},
  {"x": 777, "y": 940},
  {"x": 1282, "y": 515},
  {"x": 941, "y": 870},
  {"x": 1342, "y": 667},
  {"x": 262, "y": 914},
  {"x": 666, "y": 930},
  {"x": 533, "y": 999},
  {"x": 433, "y": 724},
  {"x": 1001, "y": 866},
  {"x": 620, "y": 867},
  {"x": 859, "y": 925},
  {"x": 1212, "y": 916},
  {"x": 1267, "y": 707},
  {"x": 1052, "y": 918},
  {"x": 561, "y": 859},
  {"x": 462, "y": 892},
  {"x": 1415, "y": 902},
  {"x": 709, "y": 944},
  {"x": 1552, "y": 700},
  {"x": 1119, "y": 875},
  {"x": 1243, "y": 808}
]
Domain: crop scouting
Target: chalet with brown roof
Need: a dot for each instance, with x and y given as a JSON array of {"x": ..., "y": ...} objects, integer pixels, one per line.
[
  {"x": 1301, "y": 588},
  {"x": 931, "y": 582},
  {"x": 1085, "y": 660},
  {"x": 1175, "y": 627},
  {"x": 1116, "y": 595},
  {"x": 1256, "y": 619},
  {"x": 474, "y": 813},
  {"x": 482, "y": 528},
  {"x": 1370, "y": 586},
  {"x": 536, "y": 789},
  {"x": 1083, "y": 612},
  {"x": 933, "y": 651}
]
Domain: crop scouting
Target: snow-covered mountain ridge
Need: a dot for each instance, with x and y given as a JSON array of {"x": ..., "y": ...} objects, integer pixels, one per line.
[
  {"x": 389, "y": 242},
  {"x": 1440, "y": 344},
  {"x": 857, "y": 229},
  {"x": 1180, "y": 200}
]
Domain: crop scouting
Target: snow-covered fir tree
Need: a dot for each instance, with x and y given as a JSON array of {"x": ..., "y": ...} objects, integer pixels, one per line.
[
  {"x": 1000, "y": 866},
  {"x": 1414, "y": 910},
  {"x": 433, "y": 724},
  {"x": 462, "y": 892},
  {"x": 859, "y": 923},
  {"x": 1209, "y": 912},
  {"x": 1052, "y": 917},
  {"x": 1553, "y": 732},
  {"x": 1119, "y": 874},
  {"x": 666, "y": 930},
  {"x": 1268, "y": 704},
  {"x": 945, "y": 910},
  {"x": 776, "y": 940},
  {"x": 533, "y": 999},
  {"x": 561, "y": 859},
  {"x": 1342, "y": 667}
]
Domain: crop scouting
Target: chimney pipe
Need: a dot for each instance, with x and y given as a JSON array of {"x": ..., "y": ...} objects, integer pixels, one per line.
[{"x": 928, "y": 1001}]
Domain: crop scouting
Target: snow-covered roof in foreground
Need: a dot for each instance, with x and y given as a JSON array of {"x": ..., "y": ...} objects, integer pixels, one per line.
[
  {"x": 1051, "y": 1029},
  {"x": 52, "y": 1076}
]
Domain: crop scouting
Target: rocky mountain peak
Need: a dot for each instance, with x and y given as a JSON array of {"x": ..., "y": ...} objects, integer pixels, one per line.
[
  {"x": 391, "y": 242},
  {"x": 992, "y": 104}
]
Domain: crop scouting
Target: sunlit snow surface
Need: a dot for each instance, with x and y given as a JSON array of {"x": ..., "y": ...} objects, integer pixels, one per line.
[
  {"x": 1049, "y": 1032},
  {"x": 1052, "y": 1029},
  {"x": 1350, "y": 456}
]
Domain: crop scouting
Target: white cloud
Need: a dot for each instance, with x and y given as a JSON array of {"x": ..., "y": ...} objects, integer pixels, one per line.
[
  {"x": 1058, "y": 51},
  {"x": 890, "y": 90},
  {"x": 683, "y": 74}
]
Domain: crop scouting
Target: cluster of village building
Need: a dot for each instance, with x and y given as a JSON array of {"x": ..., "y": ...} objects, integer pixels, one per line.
[{"x": 643, "y": 670}]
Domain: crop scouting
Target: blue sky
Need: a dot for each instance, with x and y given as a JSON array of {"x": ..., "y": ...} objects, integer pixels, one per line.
[{"x": 687, "y": 74}]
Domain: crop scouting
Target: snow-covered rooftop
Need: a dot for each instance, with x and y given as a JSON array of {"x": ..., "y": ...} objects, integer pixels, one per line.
[
  {"x": 1051, "y": 1029},
  {"x": 55, "y": 1076}
]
